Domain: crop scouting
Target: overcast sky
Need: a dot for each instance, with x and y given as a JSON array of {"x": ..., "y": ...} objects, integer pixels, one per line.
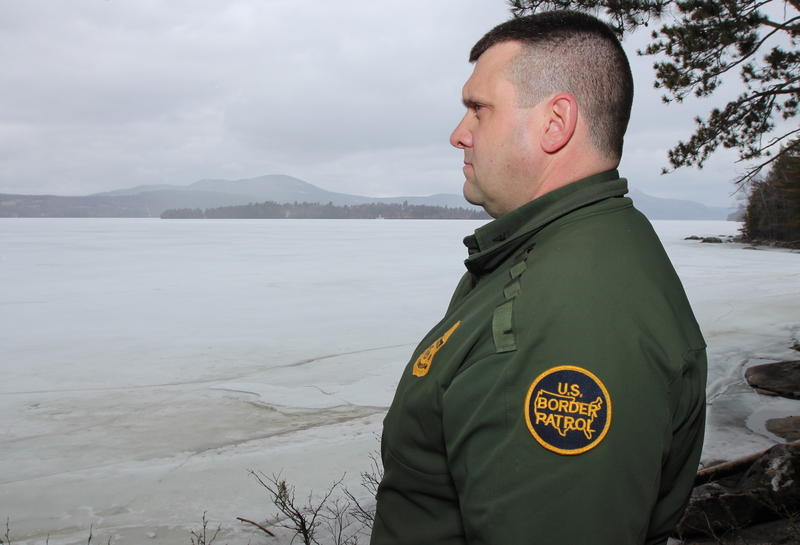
[{"x": 357, "y": 97}]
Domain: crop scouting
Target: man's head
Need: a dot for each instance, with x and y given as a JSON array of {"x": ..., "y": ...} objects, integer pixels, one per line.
[{"x": 548, "y": 103}]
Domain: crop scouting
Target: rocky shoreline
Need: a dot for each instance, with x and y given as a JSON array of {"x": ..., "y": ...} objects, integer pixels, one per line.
[
  {"x": 754, "y": 500},
  {"x": 750, "y": 244}
]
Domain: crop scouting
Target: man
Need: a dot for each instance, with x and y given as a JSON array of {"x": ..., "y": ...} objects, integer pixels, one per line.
[{"x": 561, "y": 399}]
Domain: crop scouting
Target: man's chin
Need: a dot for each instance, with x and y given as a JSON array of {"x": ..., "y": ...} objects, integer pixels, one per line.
[
  {"x": 476, "y": 200},
  {"x": 469, "y": 194}
]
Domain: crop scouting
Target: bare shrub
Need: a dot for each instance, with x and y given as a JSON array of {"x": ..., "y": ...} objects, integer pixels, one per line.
[
  {"x": 6, "y": 540},
  {"x": 364, "y": 512},
  {"x": 340, "y": 523},
  {"x": 302, "y": 519},
  {"x": 203, "y": 536}
]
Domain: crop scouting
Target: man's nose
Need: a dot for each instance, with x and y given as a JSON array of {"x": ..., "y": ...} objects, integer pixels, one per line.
[{"x": 461, "y": 137}]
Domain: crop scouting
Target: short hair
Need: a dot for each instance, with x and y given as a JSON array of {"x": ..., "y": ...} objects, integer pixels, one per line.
[{"x": 572, "y": 52}]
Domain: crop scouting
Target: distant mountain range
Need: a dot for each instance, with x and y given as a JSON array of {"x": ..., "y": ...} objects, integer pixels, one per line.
[
  {"x": 656, "y": 208},
  {"x": 152, "y": 200}
]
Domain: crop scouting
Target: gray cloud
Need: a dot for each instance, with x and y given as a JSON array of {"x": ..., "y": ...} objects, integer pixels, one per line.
[{"x": 352, "y": 96}]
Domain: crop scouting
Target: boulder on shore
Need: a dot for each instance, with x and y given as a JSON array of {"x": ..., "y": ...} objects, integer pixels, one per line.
[
  {"x": 788, "y": 428},
  {"x": 777, "y": 379}
]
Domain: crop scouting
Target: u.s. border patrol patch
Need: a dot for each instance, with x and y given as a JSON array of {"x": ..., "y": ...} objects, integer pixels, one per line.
[{"x": 568, "y": 410}]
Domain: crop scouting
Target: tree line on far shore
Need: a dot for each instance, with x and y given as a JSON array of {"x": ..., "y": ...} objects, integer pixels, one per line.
[
  {"x": 306, "y": 210},
  {"x": 773, "y": 205}
]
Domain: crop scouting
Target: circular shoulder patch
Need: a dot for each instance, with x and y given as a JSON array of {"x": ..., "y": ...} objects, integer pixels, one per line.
[{"x": 568, "y": 410}]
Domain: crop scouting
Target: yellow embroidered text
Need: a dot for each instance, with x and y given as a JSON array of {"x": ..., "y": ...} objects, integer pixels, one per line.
[{"x": 564, "y": 413}]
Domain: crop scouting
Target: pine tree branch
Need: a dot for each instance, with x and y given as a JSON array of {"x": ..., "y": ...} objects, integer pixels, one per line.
[
  {"x": 769, "y": 93},
  {"x": 773, "y": 142},
  {"x": 757, "y": 5},
  {"x": 786, "y": 25},
  {"x": 752, "y": 172},
  {"x": 717, "y": 53}
]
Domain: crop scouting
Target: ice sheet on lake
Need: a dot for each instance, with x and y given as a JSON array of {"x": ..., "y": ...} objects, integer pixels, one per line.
[{"x": 148, "y": 364}]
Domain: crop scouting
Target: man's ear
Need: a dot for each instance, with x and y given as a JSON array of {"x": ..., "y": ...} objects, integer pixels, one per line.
[{"x": 561, "y": 118}]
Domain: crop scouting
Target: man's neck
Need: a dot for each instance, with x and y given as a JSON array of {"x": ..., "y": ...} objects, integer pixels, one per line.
[{"x": 561, "y": 173}]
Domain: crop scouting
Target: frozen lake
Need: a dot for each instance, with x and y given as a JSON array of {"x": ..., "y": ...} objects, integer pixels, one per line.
[{"x": 148, "y": 364}]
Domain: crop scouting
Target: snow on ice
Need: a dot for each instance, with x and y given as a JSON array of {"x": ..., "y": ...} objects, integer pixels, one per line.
[{"x": 147, "y": 365}]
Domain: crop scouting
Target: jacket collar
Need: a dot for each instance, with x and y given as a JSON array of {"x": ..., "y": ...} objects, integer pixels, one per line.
[{"x": 494, "y": 242}]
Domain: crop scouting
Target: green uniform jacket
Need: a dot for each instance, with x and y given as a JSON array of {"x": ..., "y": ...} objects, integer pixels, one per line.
[{"x": 561, "y": 399}]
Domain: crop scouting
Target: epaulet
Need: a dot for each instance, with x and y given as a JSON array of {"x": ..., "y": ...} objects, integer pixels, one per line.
[{"x": 502, "y": 318}]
